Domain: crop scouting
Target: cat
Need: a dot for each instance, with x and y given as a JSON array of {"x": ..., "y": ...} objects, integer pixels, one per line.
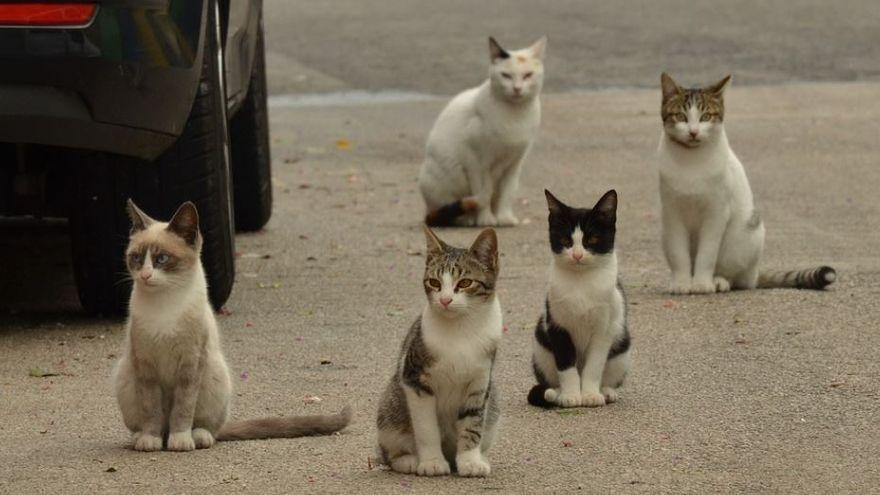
[
  {"x": 440, "y": 408},
  {"x": 172, "y": 383},
  {"x": 581, "y": 350},
  {"x": 476, "y": 148},
  {"x": 713, "y": 236}
]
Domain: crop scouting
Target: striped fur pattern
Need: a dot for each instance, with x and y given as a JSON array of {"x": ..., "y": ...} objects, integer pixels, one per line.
[
  {"x": 439, "y": 411},
  {"x": 172, "y": 383},
  {"x": 581, "y": 351},
  {"x": 713, "y": 236}
]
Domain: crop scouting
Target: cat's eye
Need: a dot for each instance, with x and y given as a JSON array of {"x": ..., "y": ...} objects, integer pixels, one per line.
[
  {"x": 592, "y": 240},
  {"x": 705, "y": 117},
  {"x": 465, "y": 283},
  {"x": 567, "y": 242},
  {"x": 162, "y": 259},
  {"x": 506, "y": 75},
  {"x": 528, "y": 75},
  {"x": 680, "y": 117},
  {"x": 136, "y": 258},
  {"x": 435, "y": 284}
]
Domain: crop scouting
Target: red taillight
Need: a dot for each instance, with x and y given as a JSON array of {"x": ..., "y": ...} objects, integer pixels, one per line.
[{"x": 46, "y": 14}]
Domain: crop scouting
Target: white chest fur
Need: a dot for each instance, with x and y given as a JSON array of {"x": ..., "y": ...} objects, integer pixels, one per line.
[{"x": 586, "y": 302}]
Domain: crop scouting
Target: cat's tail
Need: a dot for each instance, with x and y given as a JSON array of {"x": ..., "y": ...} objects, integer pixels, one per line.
[
  {"x": 814, "y": 278},
  {"x": 446, "y": 215},
  {"x": 538, "y": 398},
  {"x": 285, "y": 427}
]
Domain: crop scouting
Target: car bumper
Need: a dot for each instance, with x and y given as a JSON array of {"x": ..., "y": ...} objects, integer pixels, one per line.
[{"x": 124, "y": 84}]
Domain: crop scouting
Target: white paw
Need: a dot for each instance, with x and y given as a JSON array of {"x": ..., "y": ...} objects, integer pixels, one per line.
[
  {"x": 592, "y": 399},
  {"x": 145, "y": 442},
  {"x": 611, "y": 395},
  {"x": 701, "y": 286},
  {"x": 433, "y": 467},
  {"x": 202, "y": 438},
  {"x": 472, "y": 465},
  {"x": 721, "y": 284},
  {"x": 181, "y": 441},
  {"x": 406, "y": 464},
  {"x": 568, "y": 400},
  {"x": 486, "y": 219},
  {"x": 507, "y": 219},
  {"x": 680, "y": 286}
]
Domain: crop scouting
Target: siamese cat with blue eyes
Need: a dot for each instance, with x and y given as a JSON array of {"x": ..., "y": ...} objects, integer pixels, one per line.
[
  {"x": 476, "y": 149},
  {"x": 713, "y": 236},
  {"x": 581, "y": 348},
  {"x": 172, "y": 383}
]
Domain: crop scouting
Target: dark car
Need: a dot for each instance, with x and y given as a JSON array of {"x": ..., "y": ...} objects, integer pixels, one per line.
[{"x": 161, "y": 101}]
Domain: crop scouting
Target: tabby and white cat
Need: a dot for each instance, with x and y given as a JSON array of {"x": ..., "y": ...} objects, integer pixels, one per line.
[
  {"x": 713, "y": 236},
  {"x": 440, "y": 408},
  {"x": 581, "y": 351},
  {"x": 476, "y": 148},
  {"x": 172, "y": 383}
]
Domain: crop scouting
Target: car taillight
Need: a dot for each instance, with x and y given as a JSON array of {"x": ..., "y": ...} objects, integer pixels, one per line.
[{"x": 46, "y": 14}]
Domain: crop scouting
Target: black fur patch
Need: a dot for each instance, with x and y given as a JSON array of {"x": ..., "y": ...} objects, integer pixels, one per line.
[
  {"x": 599, "y": 225},
  {"x": 416, "y": 360}
]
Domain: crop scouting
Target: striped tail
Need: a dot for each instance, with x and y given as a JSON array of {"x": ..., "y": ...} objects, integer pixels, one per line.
[
  {"x": 285, "y": 427},
  {"x": 815, "y": 278},
  {"x": 446, "y": 215},
  {"x": 537, "y": 398}
]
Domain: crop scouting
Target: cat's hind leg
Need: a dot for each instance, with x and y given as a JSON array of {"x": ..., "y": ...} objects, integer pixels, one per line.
[
  {"x": 140, "y": 402},
  {"x": 397, "y": 450},
  {"x": 212, "y": 405},
  {"x": 614, "y": 375}
]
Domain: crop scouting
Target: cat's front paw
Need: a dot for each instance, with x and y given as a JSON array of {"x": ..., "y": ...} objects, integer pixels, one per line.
[
  {"x": 611, "y": 395},
  {"x": 406, "y": 464},
  {"x": 144, "y": 442},
  {"x": 486, "y": 219},
  {"x": 433, "y": 467},
  {"x": 507, "y": 219},
  {"x": 202, "y": 438},
  {"x": 472, "y": 465},
  {"x": 721, "y": 284},
  {"x": 592, "y": 399},
  {"x": 568, "y": 399},
  {"x": 182, "y": 441},
  {"x": 703, "y": 286}
]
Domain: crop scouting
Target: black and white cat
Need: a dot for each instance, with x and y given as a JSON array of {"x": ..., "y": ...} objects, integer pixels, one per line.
[{"x": 582, "y": 345}]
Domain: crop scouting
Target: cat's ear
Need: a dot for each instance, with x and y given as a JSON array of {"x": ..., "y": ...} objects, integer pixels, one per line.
[
  {"x": 185, "y": 223},
  {"x": 718, "y": 88},
  {"x": 496, "y": 52},
  {"x": 435, "y": 245},
  {"x": 538, "y": 48},
  {"x": 670, "y": 88},
  {"x": 554, "y": 205},
  {"x": 485, "y": 248},
  {"x": 139, "y": 220},
  {"x": 606, "y": 207}
]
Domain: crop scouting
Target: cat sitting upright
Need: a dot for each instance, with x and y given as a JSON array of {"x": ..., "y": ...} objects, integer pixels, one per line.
[
  {"x": 440, "y": 408},
  {"x": 581, "y": 351},
  {"x": 476, "y": 148},
  {"x": 172, "y": 383},
  {"x": 713, "y": 236}
]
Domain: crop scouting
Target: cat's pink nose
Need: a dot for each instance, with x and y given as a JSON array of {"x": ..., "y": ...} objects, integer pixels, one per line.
[
  {"x": 577, "y": 256},
  {"x": 694, "y": 133},
  {"x": 517, "y": 90},
  {"x": 445, "y": 301},
  {"x": 146, "y": 276}
]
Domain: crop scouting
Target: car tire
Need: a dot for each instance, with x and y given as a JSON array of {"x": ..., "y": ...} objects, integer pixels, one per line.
[
  {"x": 195, "y": 168},
  {"x": 251, "y": 159}
]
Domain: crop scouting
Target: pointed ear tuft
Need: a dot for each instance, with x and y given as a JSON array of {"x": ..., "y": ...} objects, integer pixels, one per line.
[
  {"x": 485, "y": 248},
  {"x": 607, "y": 206},
  {"x": 669, "y": 86},
  {"x": 538, "y": 48},
  {"x": 185, "y": 223},
  {"x": 718, "y": 88},
  {"x": 139, "y": 219},
  {"x": 554, "y": 205},
  {"x": 496, "y": 52},
  {"x": 435, "y": 245}
]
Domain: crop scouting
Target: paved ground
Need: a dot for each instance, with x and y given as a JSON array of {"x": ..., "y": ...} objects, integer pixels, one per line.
[
  {"x": 763, "y": 391},
  {"x": 440, "y": 47},
  {"x": 772, "y": 391}
]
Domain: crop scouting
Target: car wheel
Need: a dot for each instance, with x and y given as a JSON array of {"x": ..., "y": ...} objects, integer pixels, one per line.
[
  {"x": 251, "y": 160},
  {"x": 195, "y": 168}
]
